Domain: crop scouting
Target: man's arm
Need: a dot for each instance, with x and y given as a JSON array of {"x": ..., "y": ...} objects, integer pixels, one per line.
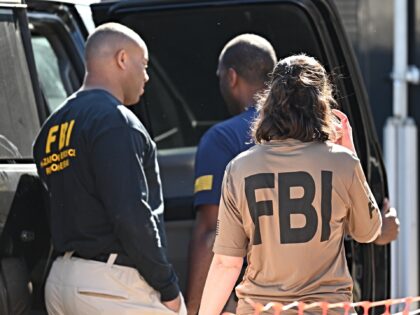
[
  {"x": 223, "y": 273},
  {"x": 122, "y": 188},
  {"x": 200, "y": 254}
]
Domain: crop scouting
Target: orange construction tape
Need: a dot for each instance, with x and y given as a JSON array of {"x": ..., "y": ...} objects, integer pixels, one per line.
[{"x": 325, "y": 306}]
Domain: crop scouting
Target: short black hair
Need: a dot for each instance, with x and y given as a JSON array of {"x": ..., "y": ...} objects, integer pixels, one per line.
[
  {"x": 108, "y": 37},
  {"x": 251, "y": 56}
]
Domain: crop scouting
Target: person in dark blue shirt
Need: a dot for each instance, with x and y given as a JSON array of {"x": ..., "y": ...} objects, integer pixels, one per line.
[
  {"x": 98, "y": 164},
  {"x": 243, "y": 68},
  {"x": 216, "y": 148}
]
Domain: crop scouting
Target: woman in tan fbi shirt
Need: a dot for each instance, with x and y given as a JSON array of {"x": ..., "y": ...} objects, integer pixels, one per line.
[{"x": 288, "y": 201}]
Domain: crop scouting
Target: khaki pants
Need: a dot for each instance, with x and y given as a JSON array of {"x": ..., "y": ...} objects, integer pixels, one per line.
[{"x": 87, "y": 287}]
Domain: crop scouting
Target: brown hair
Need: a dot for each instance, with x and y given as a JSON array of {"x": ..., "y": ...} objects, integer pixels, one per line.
[{"x": 297, "y": 103}]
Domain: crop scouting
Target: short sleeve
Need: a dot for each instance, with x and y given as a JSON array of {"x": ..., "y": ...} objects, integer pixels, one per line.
[
  {"x": 213, "y": 154},
  {"x": 231, "y": 239},
  {"x": 364, "y": 217}
]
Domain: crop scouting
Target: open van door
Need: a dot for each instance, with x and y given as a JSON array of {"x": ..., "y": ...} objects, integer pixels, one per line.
[
  {"x": 24, "y": 236},
  {"x": 182, "y": 99}
]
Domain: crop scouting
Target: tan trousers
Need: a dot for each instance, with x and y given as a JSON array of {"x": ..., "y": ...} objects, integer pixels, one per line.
[{"x": 78, "y": 286}]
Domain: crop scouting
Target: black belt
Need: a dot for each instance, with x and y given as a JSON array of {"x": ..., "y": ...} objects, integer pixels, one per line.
[{"x": 121, "y": 260}]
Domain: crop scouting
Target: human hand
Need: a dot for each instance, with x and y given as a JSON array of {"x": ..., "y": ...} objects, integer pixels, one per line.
[
  {"x": 345, "y": 130},
  {"x": 174, "y": 305},
  {"x": 390, "y": 225}
]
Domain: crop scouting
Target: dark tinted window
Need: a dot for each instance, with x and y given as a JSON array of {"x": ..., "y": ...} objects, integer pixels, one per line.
[
  {"x": 182, "y": 97},
  {"x": 18, "y": 117}
]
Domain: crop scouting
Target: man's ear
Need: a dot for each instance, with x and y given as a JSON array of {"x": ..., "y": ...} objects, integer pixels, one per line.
[
  {"x": 232, "y": 77},
  {"x": 121, "y": 58}
]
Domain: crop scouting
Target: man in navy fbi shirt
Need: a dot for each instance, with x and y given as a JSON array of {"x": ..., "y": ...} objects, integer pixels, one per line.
[
  {"x": 244, "y": 65},
  {"x": 98, "y": 164}
]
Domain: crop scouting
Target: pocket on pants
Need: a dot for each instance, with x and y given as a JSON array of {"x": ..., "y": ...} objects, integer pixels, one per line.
[
  {"x": 182, "y": 309},
  {"x": 169, "y": 310},
  {"x": 103, "y": 293}
]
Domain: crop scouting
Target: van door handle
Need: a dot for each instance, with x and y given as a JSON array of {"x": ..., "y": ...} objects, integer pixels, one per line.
[{"x": 27, "y": 236}]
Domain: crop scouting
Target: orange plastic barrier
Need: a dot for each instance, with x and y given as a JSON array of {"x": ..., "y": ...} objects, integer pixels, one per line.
[{"x": 324, "y": 306}]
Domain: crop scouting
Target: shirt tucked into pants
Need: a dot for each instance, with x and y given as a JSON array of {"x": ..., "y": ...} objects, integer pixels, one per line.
[{"x": 87, "y": 287}]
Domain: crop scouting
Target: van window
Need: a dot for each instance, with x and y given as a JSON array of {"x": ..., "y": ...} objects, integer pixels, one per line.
[
  {"x": 182, "y": 96},
  {"x": 57, "y": 57},
  {"x": 48, "y": 72},
  {"x": 18, "y": 117}
]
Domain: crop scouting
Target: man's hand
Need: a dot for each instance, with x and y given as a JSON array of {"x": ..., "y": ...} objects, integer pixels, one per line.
[
  {"x": 345, "y": 130},
  {"x": 390, "y": 225},
  {"x": 174, "y": 305}
]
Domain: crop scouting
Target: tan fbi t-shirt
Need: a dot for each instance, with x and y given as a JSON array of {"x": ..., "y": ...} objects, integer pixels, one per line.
[{"x": 287, "y": 206}]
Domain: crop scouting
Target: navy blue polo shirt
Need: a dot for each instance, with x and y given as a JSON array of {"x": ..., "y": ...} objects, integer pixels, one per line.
[
  {"x": 99, "y": 166},
  {"x": 219, "y": 145}
]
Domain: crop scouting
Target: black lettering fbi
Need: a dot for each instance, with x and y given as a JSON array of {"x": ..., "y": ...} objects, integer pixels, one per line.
[
  {"x": 289, "y": 206},
  {"x": 260, "y": 208}
]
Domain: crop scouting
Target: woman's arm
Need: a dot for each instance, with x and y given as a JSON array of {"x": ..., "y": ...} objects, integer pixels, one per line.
[
  {"x": 390, "y": 222},
  {"x": 223, "y": 273}
]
